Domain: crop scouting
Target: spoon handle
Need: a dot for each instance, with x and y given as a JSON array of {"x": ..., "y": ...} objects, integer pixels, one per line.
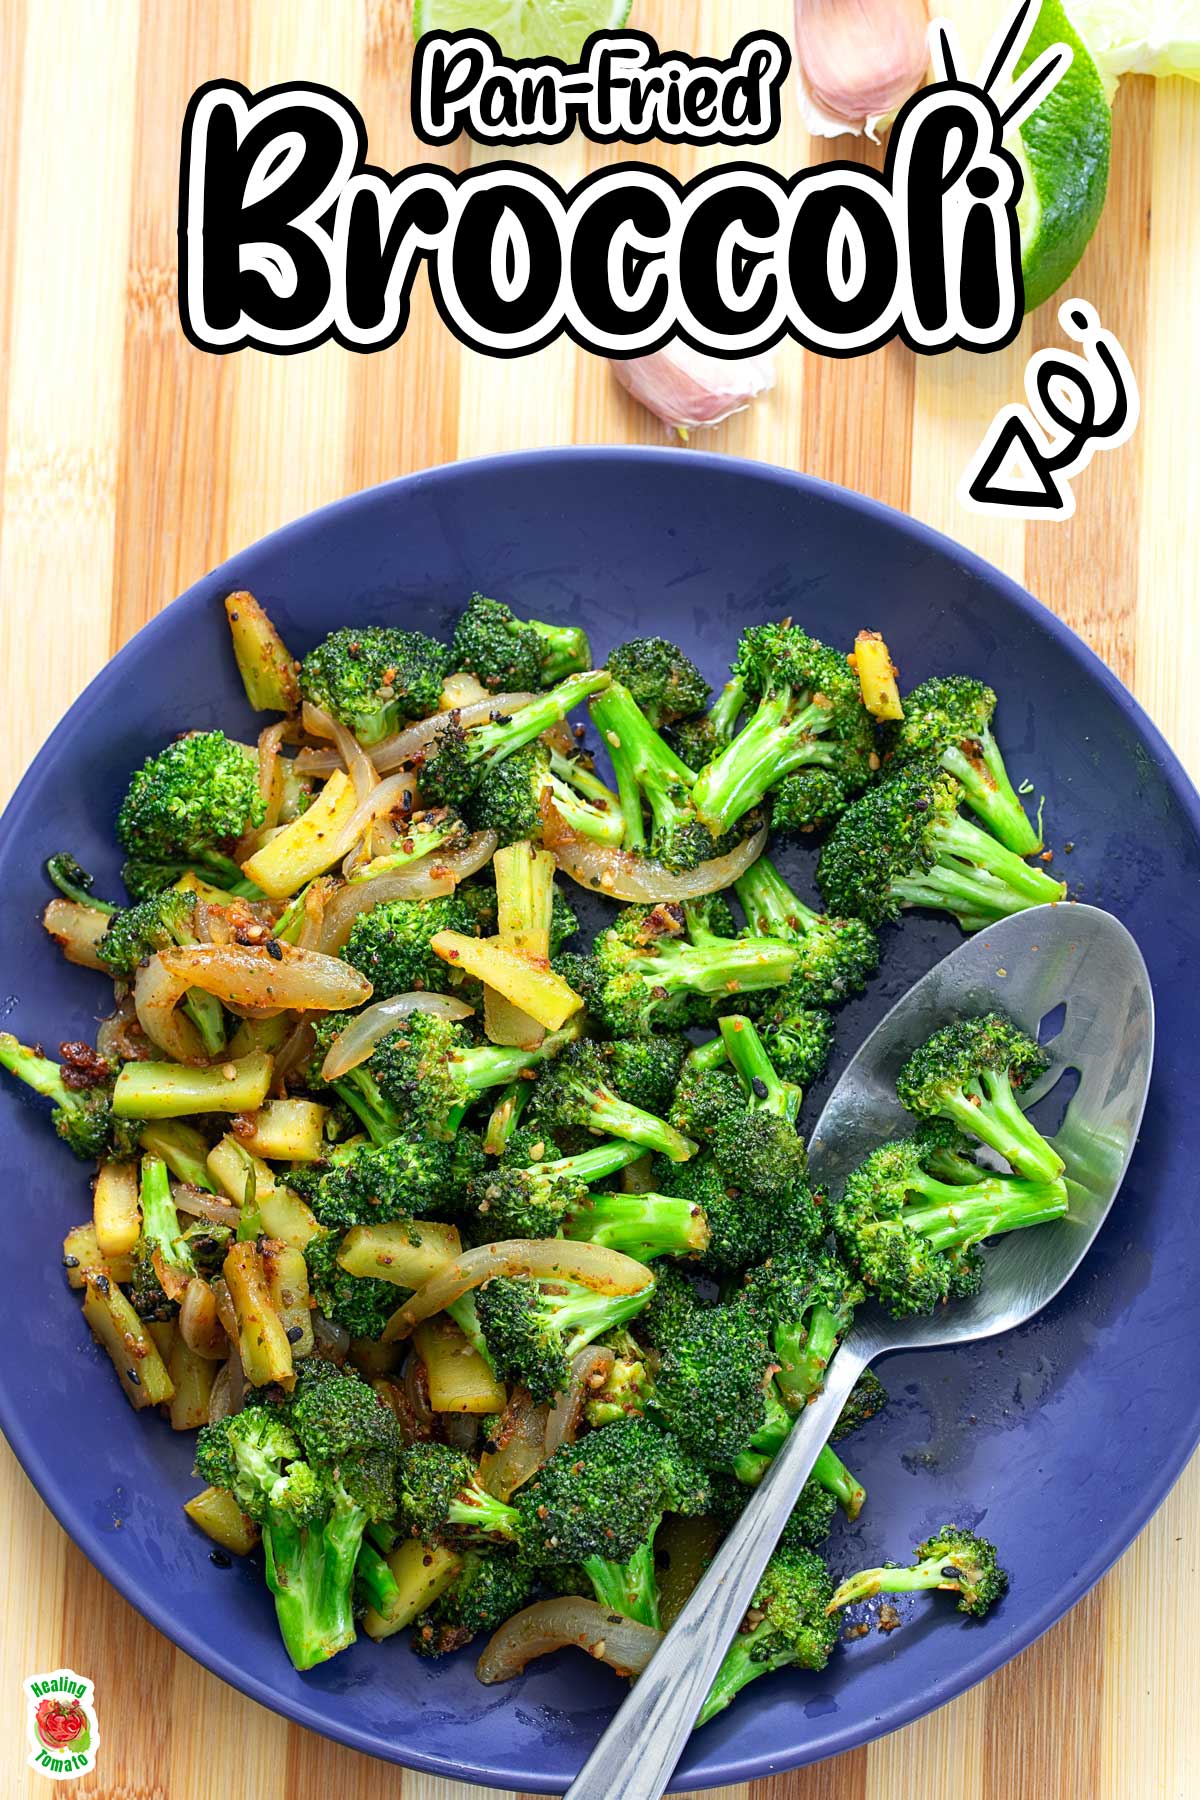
[{"x": 636, "y": 1757}]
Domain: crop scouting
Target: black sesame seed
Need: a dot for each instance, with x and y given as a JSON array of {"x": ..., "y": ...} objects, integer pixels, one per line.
[
  {"x": 221, "y": 1558},
  {"x": 275, "y": 949},
  {"x": 760, "y": 1087}
]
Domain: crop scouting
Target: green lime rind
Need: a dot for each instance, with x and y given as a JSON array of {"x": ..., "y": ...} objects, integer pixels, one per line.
[
  {"x": 1065, "y": 151},
  {"x": 525, "y": 27}
]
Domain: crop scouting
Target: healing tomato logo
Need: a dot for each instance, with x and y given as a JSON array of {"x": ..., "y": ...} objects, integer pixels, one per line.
[
  {"x": 63, "y": 1734},
  {"x": 59, "y": 1722}
]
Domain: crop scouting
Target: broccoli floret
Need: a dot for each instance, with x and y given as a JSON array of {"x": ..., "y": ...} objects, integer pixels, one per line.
[
  {"x": 534, "y": 1326},
  {"x": 73, "y": 880},
  {"x": 627, "y": 1386},
  {"x": 807, "y": 1301},
  {"x": 709, "y": 1387},
  {"x": 807, "y": 800},
  {"x": 515, "y": 798},
  {"x": 136, "y": 932},
  {"x": 809, "y": 1523},
  {"x": 809, "y": 713},
  {"x": 367, "y": 1184},
  {"x": 664, "y": 681},
  {"x": 504, "y": 1120},
  {"x": 491, "y": 1586},
  {"x": 375, "y": 680},
  {"x": 599, "y": 1503},
  {"x": 698, "y": 739},
  {"x": 451, "y": 766},
  {"x": 440, "y": 1496},
  {"x": 359, "y": 1303},
  {"x": 911, "y": 1236},
  {"x": 184, "y": 809},
  {"x": 744, "y": 1228},
  {"x": 644, "y": 1071},
  {"x": 82, "y": 1096},
  {"x": 390, "y": 944},
  {"x": 828, "y": 1472},
  {"x": 163, "y": 1262},
  {"x": 313, "y": 1471},
  {"x": 708, "y": 1093},
  {"x": 648, "y": 772},
  {"x": 970, "y": 1073},
  {"x": 571, "y": 1094},
  {"x": 952, "y": 1559},
  {"x": 502, "y": 651},
  {"x": 519, "y": 1199},
  {"x": 905, "y": 844},
  {"x": 787, "y": 1626},
  {"x": 868, "y": 1397},
  {"x": 762, "y": 1150},
  {"x": 797, "y": 1039},
  {"x": 950, "y": 718},
  {"x": 648, "y": 975},
  {"x": 671, "y": 1310},
  {"x": 836, "y": 956}
]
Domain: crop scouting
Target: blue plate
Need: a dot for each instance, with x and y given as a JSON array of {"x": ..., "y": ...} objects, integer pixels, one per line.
[{"x": 1058, "y": 1441}]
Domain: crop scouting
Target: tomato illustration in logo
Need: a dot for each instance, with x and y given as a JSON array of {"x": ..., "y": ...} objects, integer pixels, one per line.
[{"x": 59, "y": 1722}]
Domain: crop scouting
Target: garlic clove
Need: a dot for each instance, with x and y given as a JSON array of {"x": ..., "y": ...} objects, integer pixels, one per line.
[
  {"x": 689, "y": 390},
  {"x": 858, "y": 61}
]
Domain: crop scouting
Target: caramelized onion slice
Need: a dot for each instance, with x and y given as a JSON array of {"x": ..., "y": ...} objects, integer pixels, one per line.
[
  {"x": 393, "y": 752},
  {"x": 355, "y": 1044},
  {"x": 303, "y": 980},
  {"x": 622, "y": 875},
  {"x": 553, "y": 1624},
  {"x": 590, "y": 1369},
  {"x": 427, "y": 879},
  {"x": 522, "y": 1446},
  {"x": 549, "y": 1259},
  {"x": 76, "y": 930},
  {"x": 358, "y": 765}
]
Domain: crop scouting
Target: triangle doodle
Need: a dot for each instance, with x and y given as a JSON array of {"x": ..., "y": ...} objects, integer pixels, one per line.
[{"x": 1012, "y": 471}]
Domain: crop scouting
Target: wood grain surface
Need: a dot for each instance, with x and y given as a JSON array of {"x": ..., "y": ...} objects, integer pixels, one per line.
[{"x": 132, "y": 463}]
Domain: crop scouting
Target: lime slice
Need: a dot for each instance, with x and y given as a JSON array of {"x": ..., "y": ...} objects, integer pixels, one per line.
[
  {"x": 1140, "y": 37},
  {"x": 525, "y": 27},
  {"x": 1064, "y": 150}
]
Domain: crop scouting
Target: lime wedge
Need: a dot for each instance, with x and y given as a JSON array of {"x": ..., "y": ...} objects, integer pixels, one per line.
[
  {"x": 525, "y": 27},
  {"x": 1064, "y": 150},
  {"x": 1140, "y": 37}
]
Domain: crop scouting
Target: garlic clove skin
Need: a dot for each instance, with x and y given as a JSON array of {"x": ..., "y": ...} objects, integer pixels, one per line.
[
  {"x": 689, "y": 390},
  {"x": 858, "y": 61}
]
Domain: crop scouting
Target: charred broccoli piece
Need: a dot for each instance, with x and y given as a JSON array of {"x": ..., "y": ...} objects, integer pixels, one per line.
[
  {"x": 390, "y": 944},
  {"x": 952, "y": 1559},
  {"x": 491, "y": 1586},
  {"x": 375, "y": 680},
  {"x": 454, "y": 762},
  {"x": 663, "y": 680},
  {"x": 787, "y": 1626}
]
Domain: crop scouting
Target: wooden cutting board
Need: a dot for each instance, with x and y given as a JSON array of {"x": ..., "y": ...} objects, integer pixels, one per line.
[{"x": 132, "y": 463}]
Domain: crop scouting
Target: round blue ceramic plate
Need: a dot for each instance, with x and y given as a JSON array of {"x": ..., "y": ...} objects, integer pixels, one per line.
[{"x": 1059, "y": 1441}]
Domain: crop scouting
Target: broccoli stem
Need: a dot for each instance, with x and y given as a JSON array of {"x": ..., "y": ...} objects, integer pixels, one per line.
[
  {"x": 611, "y": 1117},
  {"x": 40, "y": 1073},
  {"x": 644, "y": 765},
  {"x": 776, "y": 742},
  {"x": 310, "y": 1571},
  {"x": 770, "y": 905},
  {"x": 585, "y": 781},
  {"x": 477, "y": 1511},
  {"x": 374, "y": 1579},
  {"x": 182, "y": 1148},
  {"x": 726, "y": 709},
  {"x": 414, "y": 846},
  {"x": 831, "y": 1473},
  {"x": 506, "y": 1116},
  {"x": 496, "y": 741},
  {"x": 1006, "y": 1205},
  {"x": 767, "y": 1092},
  {"x": 161, "y": 1090},
  {"x": 720, "y": 966},
  {"x": 996, "y": 1119},
  {"x": 629, "y": 1588},
  {"x": 744, "y": 1662},
  {"x": 957, "y": 837},
  {"x": 640, "y": 1225},
  {"x": 990, "y": 793},
  {"x": 804, "y": 1351},
  {"x": 75, "y": 883},
  {"x": 160, "y": 1221},
  {"x": 466, "y": 1316},
  {"x": 867, "y": 1582},
  {"x": 600, "y": 825},
  {"x": 565, "y": 649},
  {"x": 595, "y": 1164},
  {"x": 206, "y": 1014}
]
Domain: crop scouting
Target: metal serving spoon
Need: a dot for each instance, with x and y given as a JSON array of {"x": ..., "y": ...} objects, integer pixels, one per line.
[{"x": 1030, "y": 966}]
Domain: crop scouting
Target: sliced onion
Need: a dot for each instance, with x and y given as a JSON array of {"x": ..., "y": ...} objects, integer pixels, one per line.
[
  {"x": 355, "y": 1044},
  {"x": 522, "y": 1446},
  {"x": 156, "y": 995},
  {"x": 622, "y": 875},
  {"x": 228, "y": 1390},
  {"x": 76, "y": 930},
  {"x": 252, "y": 976},
  {"x": 332, "y": 1341},
  {"x": 461, "y": 689},
  {"x": 294, "y": 1053},
  {"x": 427, "y": 879},
  {"x": 358, "y": 765},
  {"x": 416, "y": 1389},
  {"x": 553, "y": 1624},
  {"x": 119, "y": 1037},
  {"x": 590, "y": 1369},
  {"x": 269, "y": 784},
  {"x": 317, "y": 896},
  {"x": 393, "y": 752},
  {"x": 201, "y": 1205},
  {"x": 549, "y": 1259},
  {"x": 200, "y": 1326}
]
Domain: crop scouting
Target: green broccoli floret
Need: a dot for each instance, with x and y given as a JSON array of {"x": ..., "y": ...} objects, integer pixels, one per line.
[
  {"x": 645, "y": 1071},
  {"x": 807, "y": 1301},
  {"x": 184, "y": 809},
  {"x": 515, "y": 797},
  {"x": 136, "y": 932},
  {"x": 836, "y": 956},
  {"x": 762, "y": 1150},
  {"x": 598, "y": 1503},
  {"x": 807, "y": 800},
  {"x": 360, "y": 1304},
  {"x": 367, "y": 1184},
  {"x": 376, "y": 680},
  {"x": 491, "y": 1586},
  {"x": 313, "y": 1470},
  {"x": 389, "y": 944},
  {"x": 911, "y": 1236},
  {"x": 162, "y": 1254},
  {"x": 671, "y": 1309},
  {"x": 519, "y": 1199},
  {"x": 809, "y": 713},
  {"x": 73, "y": 880},
  {"x": 970, "y": 1072},
  {"x": 627, "y": 1385},
  {"x": 696, "y": 740},
  {"x": 797, "y": 1039},
  {"x": 950, "y": 718},
  {"x": 451, "y": 766},
  {"x": 905, "y": 844},
  {"x": 571, "y": 1094},
  {"x": 440, "y": 1496},
  {"x": 504, "y": 652},
  {"x": 649, "y": 773},
  {"x": 534, "y": 1326},
  {"x": 828, "y": 1472},
  {"x": 649, "y": 976},
  {"x": 787, "y": 1626},
  {"x": 744, "y": 1228},
  {"x": 952, "y": 1559},
  {"x": 709, "y": 1387},
  {"x": 708, "y": 1093},
  {"x": 809, "y": 1523},
  {"x": 82, "y": 1096},
  {"x": 663, "y": 680}
]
